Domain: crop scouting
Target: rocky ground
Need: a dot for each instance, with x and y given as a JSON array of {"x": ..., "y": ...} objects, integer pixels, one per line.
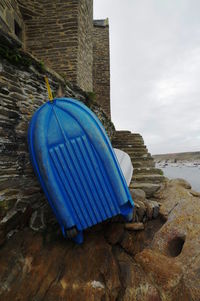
[{"x": 116, "y": 261}]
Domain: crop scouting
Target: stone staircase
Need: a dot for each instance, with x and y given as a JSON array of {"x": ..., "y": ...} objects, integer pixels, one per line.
[{"x": 145, "y": 175}]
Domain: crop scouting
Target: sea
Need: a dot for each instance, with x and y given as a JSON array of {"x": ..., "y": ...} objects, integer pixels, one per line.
[{"x": 189, "y": 173}]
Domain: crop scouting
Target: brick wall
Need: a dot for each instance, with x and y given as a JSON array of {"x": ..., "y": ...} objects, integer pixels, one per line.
[
  {"x": 11, "y": 19},
  {"x": 59, "y": 33},
  {"x": 101, "y": 64}
]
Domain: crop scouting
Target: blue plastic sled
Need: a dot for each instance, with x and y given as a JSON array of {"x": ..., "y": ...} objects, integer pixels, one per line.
[{"x": 77, "y": 167}]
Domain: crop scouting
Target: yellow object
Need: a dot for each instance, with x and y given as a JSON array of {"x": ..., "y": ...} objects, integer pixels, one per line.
[{"x": 48, "y": 88}]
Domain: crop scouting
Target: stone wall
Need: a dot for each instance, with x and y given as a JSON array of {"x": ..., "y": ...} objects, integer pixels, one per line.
[
  {"x": 22, "y": 91},
  {"x": 60, "y": 34},
  {"x": 101, "y": 64},
  {"x": 11, "y": 19},
  {"x": 85, "y": 45},
  {"x": 51, "y": 33}
]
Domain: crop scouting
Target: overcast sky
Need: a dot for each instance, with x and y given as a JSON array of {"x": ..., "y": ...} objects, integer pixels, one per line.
[{"x": 155, "y": 70}]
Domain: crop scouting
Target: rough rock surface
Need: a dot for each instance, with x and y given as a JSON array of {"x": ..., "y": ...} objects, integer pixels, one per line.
[
  {"x": 161, "y": 263},
  {"x": 145, "y": 209},
  {"x": 179, "y": 237}
]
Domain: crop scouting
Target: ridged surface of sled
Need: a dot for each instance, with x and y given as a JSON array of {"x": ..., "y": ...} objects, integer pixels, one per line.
[{"x": 76, "y": 166}]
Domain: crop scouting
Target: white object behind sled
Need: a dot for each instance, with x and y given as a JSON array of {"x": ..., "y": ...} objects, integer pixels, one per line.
[{"x": 125, "y": 164}]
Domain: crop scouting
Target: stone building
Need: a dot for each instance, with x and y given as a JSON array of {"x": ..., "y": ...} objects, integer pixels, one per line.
[
  {"x": 101, "y": 63},
  {"x": 11, "y": 20},
  {"x": 61, "y": 34}
]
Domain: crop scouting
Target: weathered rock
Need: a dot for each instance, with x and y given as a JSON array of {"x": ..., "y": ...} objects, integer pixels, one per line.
[
  {"x": 153, "y": 208},
  {"x": 138, "y": 194},
  {"x": 145, "y": 209},
  {"x": 140, "y": 210},
  {"x": 156, "y": 209},
  {"x": 114, "y": 233},
  {"x": 149, "y": 188},
  {"x": 181, "y": 182},
  {"x": 165, "y": 273},
  {"x": 57, "y": 269},
  {"x": 136, "y": 241},
  {"x": 162, "y": 262},
  {"x": 179, "y": 236},
  {"x": 128, "y": 244},
  {"x": 195, "y": 193},
  {"x": 134, "y": 226},
  {"x": 2, "y": 237},
  {"x": 149, "y": 210},
  {"x": 135, "y": 284}
]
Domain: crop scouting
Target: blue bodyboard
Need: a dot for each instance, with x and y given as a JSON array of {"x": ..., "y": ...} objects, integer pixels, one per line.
[{"x": 76, "y": 166}]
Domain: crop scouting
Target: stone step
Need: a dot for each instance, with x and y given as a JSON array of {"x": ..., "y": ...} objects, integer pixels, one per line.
[
  {"x": 148, "y": 188},
  {"x": 128, "y": 143},
  {"x": 147, "y": 171},
  {"x": 119, "y": 135},
  {"x": 135, "y": 151},
  {"x": 133, "y": 145},
  {"x": 122, "y": 132},
  {"x": 142, "y": 159},
  {"x": 128, "y": 133},
  {"x": 139, "y": 164},
  {"x": 131, "y": 148},
  {"x": 139, "y": 155},
  {"x": 129, "y": 139},
  {"x": 153, "y": 178}
]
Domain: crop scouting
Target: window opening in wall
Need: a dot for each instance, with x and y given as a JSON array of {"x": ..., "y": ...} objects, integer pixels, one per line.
[{"x": 18, "y": 30}]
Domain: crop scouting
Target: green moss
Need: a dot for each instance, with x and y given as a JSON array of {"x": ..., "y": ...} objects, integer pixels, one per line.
[
  {"x": 63, "y": 75},
  {"x": 42, "y": 66},
  {"x": 6, "y": 205},
  {"x": 90, "y": 98},
  {"x": 14, "y": 56},
  {"x": 17, "y": 57}
]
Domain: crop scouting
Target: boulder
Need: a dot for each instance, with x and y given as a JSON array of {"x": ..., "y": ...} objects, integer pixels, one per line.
[
  {"x": 138, "y": 194},
  {"x": 178, "y": 239},
  {"x": 134, "y": 226},
  {"x": 140, "y": 211},
  {"x": 181, "y": 182}
]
